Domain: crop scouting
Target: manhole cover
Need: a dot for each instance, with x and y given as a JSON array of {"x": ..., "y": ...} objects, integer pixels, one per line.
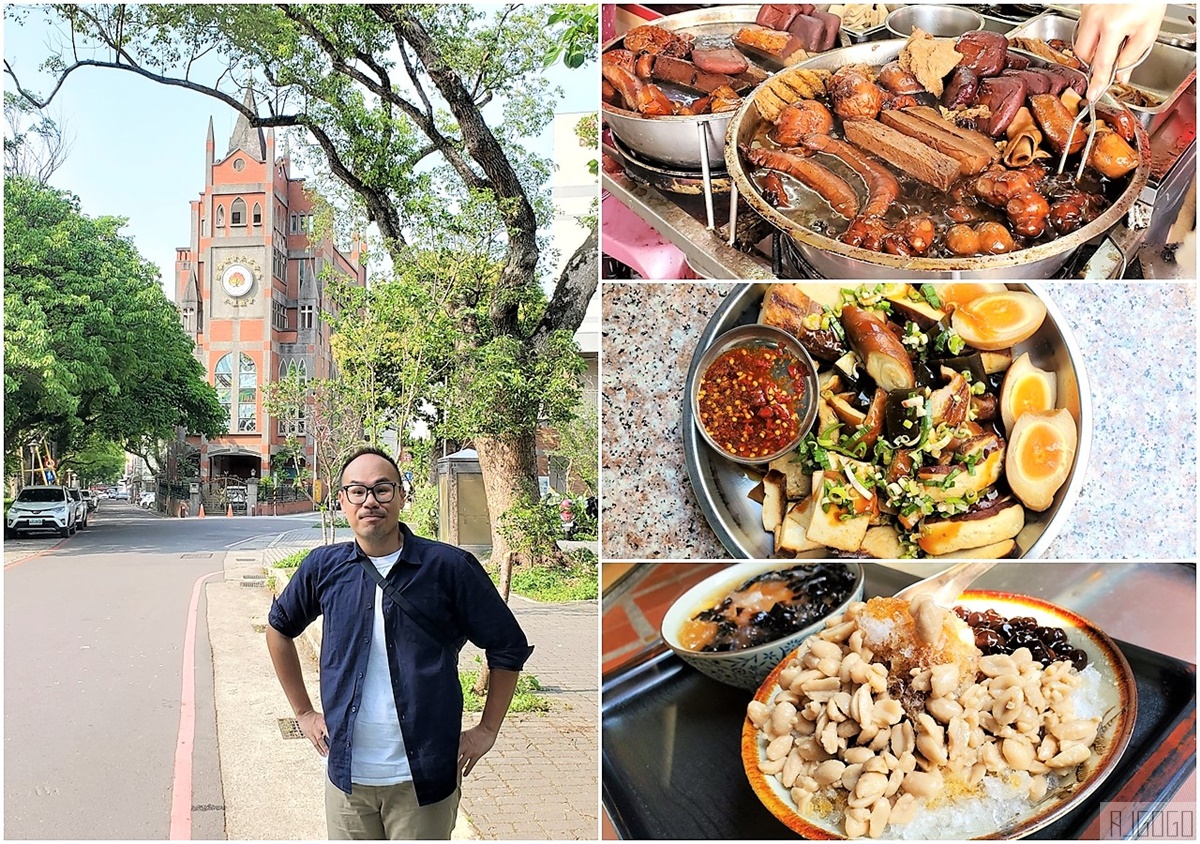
[
  {"x": 259, "y": 628},
  {"x": 289, "y": 728},
  {"x": 196, "y": 556}
]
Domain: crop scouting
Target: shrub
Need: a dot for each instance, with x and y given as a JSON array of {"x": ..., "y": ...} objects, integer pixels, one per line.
[
  {"x": 422, "y": 513},
  {"x": 292, "y": 561},
  {"x": 532, "y": 527},
  {"x": 526, "y": 698}
]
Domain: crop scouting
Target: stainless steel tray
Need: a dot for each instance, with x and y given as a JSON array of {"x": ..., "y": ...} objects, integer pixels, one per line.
[
  {"x": 1166, "y": 74},
  {"x": 722, "y": 487}
]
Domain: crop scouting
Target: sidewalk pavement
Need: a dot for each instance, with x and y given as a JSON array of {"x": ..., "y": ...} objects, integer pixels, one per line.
[{"x": 540, "y": 781}]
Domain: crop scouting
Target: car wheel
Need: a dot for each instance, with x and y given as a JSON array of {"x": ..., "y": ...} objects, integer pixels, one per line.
[
  {"x": 84, "y": 524},
  {"x": 9, "y": 533}
]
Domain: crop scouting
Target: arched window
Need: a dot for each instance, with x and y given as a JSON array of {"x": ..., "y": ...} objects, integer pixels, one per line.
[
  {"x": 256, "y": 219},
  {"x": 237, "y": 212},
  {"x": 300, "y": 368},
  {"x": 242, "y": 413},
  {"x": 220, "y": 216}
]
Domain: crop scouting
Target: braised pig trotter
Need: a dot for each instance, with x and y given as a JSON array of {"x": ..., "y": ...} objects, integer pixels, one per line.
[
  {"x": 659, "y": 41},
  {"x": 806, "y": 117},
  {"x": 906, "y": 154}
]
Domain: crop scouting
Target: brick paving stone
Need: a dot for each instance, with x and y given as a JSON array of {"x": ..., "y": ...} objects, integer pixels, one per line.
[{"x": 541, "y": 780}]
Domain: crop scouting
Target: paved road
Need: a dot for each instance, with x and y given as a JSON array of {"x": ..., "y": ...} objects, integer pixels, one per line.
[{"x": 93, "y": 634}]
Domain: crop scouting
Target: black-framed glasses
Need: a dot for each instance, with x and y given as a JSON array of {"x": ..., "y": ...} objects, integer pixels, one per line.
[{"x": 357, "y": 493}]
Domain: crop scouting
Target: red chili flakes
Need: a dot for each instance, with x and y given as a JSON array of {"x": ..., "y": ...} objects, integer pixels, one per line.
[{"x": 749, "y": 400}]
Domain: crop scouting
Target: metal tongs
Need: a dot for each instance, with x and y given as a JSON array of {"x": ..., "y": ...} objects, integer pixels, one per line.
[{"x": 1091, "y": 110}]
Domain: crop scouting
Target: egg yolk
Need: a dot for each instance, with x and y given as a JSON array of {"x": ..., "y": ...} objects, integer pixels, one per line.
[
  {"x": 960, "y": 293},
  {"x": 988, "y": 317},
  {"x": 1042, "y": 451},
  {"x": 1030, "y": 395}
]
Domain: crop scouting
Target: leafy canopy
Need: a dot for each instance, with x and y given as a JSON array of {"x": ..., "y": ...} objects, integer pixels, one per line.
[{"x": 93, "y": 349}]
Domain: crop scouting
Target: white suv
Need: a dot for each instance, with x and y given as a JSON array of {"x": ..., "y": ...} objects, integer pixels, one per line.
[
  {"x": 42, "y": 508},
  {"x": 81, "y": 507}
]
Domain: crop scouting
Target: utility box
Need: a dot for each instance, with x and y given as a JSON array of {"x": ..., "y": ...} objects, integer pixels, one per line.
[{"x": 463, "y": 518}]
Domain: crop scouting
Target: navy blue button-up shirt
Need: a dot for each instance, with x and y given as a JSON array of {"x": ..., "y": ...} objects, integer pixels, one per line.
[{"x": 448, "y": 585}]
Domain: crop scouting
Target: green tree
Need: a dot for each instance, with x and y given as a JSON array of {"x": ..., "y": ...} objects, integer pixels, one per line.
[
  {"x": 579, "y": 445},
  {"x": 324, "y": 417},
  {"x": 94, "y": 351},
  {"x": 420, "y": 114},
  {"x": 96, "y": 463}
]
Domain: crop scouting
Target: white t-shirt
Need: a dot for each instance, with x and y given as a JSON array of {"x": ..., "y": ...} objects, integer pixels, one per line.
[{"x": 378, "y": 756}]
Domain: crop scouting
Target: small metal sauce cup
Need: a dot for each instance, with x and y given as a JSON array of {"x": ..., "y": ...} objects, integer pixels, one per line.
[{"x": 769, "y": 337}]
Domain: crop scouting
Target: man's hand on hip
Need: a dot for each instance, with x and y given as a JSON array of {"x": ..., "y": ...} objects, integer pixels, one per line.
[
  {"x": 472, "y": 745},
  {"x": 312, "y": 724}
]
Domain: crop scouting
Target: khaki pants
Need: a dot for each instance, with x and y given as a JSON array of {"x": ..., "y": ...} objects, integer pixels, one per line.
[{"x": 386, "y": 813}]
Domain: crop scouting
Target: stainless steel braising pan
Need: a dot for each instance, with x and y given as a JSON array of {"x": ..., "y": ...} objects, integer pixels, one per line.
[
  {"x": 677, "y": 139},
  {"x": 834, "y": 259}
]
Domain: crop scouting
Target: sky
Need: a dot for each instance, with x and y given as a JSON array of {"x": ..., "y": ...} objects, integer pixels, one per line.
[{"x": 138, "y": 151}]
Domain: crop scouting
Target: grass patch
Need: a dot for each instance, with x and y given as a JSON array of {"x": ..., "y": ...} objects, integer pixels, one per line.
[
  {"x": 291, "y": 561},
  {"x": 576, "y": 581},
  {"x": 526, "y": 698}
]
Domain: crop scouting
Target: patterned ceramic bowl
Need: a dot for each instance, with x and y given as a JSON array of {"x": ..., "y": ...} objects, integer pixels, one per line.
[
  {"x": 746, "y": 668},
  {"x": 1114, "y": 698}
]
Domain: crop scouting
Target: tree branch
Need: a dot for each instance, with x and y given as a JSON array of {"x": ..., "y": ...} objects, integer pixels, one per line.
[{"x": 574, "y": 290}]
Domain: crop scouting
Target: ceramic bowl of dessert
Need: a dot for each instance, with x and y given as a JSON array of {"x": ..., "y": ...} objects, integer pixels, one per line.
[
  {"x": 782, "y": 603},
  {"x": 1004, "y": 802}
]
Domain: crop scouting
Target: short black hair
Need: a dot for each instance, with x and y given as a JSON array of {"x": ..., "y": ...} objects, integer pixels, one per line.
[{"x": 368, "y": 450}]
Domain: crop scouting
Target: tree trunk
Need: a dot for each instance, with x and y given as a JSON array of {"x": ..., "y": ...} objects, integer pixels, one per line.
[{"x": 509, "y": 467}]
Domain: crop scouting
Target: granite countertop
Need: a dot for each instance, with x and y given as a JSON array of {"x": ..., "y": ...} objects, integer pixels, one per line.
[{"x": 1139, "y": 344}]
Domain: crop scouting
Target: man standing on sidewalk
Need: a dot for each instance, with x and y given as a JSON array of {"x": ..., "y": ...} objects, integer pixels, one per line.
[{"x": 397, "y": 608}]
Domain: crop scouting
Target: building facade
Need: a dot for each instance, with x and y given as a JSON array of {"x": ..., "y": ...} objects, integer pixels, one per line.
[{"x": 251, "y": 287}]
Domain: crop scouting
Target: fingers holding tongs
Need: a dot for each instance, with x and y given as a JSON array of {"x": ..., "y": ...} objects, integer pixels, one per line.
[{"x": 1088, "y": 107}]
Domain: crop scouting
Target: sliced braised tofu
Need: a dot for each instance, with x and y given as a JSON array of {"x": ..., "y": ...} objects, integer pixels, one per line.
[
  {"x": 798, "y": 483},
  {"x": 791, "y": 537},
  {"x": 1002, "y": 521},
  {"x": 774, "y": 499},
  {"x": 883, "y": 543}
]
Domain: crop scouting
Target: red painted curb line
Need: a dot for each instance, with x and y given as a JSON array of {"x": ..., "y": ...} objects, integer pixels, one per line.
[
  {"x": 34, "y": 556},
  {"x": 181, "y": 781}
]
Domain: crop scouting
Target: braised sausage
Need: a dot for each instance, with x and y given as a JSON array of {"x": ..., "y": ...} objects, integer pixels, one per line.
[
  {"x": 827, "y": 184},
  {"x": 882, "y": 187},
  {"x": 639, "y": 96},
  {"x": 644, "y": 66},
  {"x": 885, "y": 357},
  {"x": 773, "y": 190},
  {"x": 1056, "y": 121}
]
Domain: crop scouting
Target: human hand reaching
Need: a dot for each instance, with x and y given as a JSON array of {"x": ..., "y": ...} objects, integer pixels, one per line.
[{"x": 1104, "y": 28}]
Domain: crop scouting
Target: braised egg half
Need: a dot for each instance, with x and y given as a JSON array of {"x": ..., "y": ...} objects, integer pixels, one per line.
[
  {"x": 1041, "y": 451},
  {"x": 1026, "y": 389},
  {"x": 998, "y": 320}
]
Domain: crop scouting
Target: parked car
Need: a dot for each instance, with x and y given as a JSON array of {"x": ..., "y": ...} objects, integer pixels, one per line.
[
  {"x": 119, "y": 494},
  {"x": 41, "y": 508},
  {"x": 92, "y": 500},
  {"x": 147, "y": 500},
  {"x": 81, "y": 509}
]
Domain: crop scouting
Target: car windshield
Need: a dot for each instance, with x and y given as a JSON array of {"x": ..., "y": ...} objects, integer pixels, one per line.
[{"x": 41, "y": 494}]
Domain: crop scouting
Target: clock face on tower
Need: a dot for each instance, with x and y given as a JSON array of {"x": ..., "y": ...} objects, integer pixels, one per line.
[{"x": 237, "y": 280}]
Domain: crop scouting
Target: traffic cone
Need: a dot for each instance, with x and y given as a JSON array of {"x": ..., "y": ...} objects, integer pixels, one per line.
[
  {"x": 200, "y": 515},
  {"x": 229, "y": 511}
]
